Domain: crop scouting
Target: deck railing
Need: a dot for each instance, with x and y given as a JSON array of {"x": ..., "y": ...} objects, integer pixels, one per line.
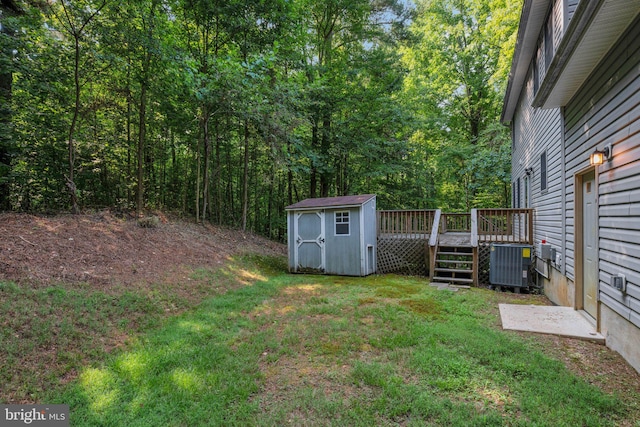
[
  {"x": 485, "y": 225},
  {"x": 409, "y": 223},
  {"x": 505, "y": 225},
  {"x": 455, "y": 223}
]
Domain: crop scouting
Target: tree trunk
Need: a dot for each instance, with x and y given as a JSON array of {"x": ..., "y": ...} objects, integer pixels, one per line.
[
  {"x": 245, "y": 177},
  {"x": 216, "y": 174},
  {"x": 142, "y": 128},
  {"x": 326, "y": 146},
  {"x": 313, "y": 184},
  {"x": 229, "y": 208},
  {"x": 142, "y": 125},
  {"x": 207, "y": 155},
  {"x": 5, "y": 137},
  {"x": 142, "y": 135},
  {"x": 175, "y": 169},
  {"x": 256, "y": 226},
  {"x": 7, "y": 7},
  {"x": 71, "y": 186},
  {"x": 289, "y": 178},
  {"x": 76, "y": 33},
  {"x": 198, "y": 181},
  {"x": 129, "y": 139}
]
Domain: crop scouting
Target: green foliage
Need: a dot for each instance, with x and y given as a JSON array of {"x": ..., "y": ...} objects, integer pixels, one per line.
[
  {"x": 458, "y": 73},
  {"x": 230, "y": 110}
]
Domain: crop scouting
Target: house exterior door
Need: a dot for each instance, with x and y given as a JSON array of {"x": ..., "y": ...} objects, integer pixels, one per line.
[
  {"x": 590, "y": 246},
  {"x": 310, "y": 243}
]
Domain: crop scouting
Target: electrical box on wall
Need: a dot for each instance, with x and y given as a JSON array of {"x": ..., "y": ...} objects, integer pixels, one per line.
[
  {"x": 619, "y": 282},
  {"x": 546, "y": 251}
]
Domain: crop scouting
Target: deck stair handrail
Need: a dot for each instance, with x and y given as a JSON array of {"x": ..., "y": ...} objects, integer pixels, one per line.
[
  {"x": 474, "y": 228},
  {"x": 433, "y": 238}
]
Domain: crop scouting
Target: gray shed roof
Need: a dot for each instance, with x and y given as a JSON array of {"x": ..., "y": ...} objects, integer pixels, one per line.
[{"x": 332, "y": 202}]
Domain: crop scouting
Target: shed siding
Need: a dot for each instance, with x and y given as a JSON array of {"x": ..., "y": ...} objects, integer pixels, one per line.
[
  {"x": 537, "y": 131},
  {"x": 607, "y": 111},
  {"x": 370, "y": 236},
  {"x": 343, "y": 251}
]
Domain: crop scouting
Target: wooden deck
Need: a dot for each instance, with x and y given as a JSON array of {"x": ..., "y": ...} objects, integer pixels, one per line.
[{"x": 408, "y": 241}]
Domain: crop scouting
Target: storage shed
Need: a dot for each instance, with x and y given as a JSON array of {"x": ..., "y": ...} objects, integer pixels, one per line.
[{"x": 333, "y": 235}]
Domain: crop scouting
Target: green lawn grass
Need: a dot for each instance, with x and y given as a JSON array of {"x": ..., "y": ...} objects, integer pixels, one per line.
[{"x": 279, "y": 349}]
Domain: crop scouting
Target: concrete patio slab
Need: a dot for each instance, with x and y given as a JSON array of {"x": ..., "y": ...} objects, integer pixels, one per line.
[{"x": 563, "y": 321}]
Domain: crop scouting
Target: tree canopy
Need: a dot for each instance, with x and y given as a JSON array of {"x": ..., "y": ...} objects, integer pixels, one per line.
[{"x": 230, "y": 110}]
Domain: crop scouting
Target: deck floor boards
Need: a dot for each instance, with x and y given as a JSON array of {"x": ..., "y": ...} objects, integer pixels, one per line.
[{"x": 454, "y": 239}]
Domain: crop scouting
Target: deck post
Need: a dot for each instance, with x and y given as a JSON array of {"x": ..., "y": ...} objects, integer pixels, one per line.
[
  {"x": 475, "y": 273},
  {"x": 474, "y": 245},
  {"x": 433, "y": 242}
]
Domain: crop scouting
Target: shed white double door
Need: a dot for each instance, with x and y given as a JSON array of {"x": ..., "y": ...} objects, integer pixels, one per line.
[{"x": 309, "y": 232}]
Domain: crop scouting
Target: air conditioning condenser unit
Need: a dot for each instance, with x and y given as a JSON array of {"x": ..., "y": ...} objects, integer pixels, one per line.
[{"x": 509, "y": 265}]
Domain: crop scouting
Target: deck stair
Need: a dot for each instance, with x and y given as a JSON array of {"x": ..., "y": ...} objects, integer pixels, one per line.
[{"x": 454, "y": 260}]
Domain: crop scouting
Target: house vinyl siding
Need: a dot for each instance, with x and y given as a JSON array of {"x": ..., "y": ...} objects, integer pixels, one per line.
[
  {"x": 550, "y": 38},
  {"x": 559, "y": 14},
  {"x": 538, "y": 131},
  {"x": 547, "y": 138},
  {"x": 606, "y": 110},
  {"x": 571, "y": 8},
  {"x": 589, "y": 94},
  {"x": 556, "y": 17}
]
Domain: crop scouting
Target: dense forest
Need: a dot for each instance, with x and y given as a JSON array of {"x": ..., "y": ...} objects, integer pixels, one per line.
[{"x": 229, "y": 110}]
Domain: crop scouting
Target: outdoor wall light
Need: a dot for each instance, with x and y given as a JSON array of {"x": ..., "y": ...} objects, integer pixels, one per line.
[
  {"x": 598, "y": 157},
  {"x": 528, "y": 171}
]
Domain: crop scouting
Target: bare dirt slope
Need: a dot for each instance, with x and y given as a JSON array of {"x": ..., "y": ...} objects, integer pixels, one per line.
[{"x": 103, "y": 249}]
